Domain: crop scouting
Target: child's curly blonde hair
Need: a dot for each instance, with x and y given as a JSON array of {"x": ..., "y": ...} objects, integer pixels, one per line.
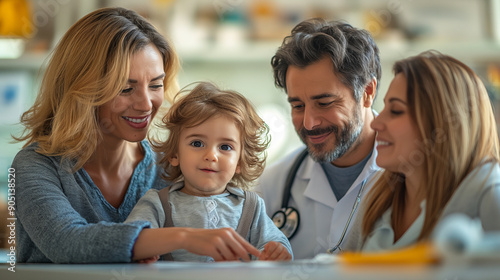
[{"x": 205, "y": 101}]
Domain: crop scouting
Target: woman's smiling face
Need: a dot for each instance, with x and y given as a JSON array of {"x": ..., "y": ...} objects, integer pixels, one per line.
[
  {"x": 397, "y": 133},
  {"x": 129, "y": 114}
]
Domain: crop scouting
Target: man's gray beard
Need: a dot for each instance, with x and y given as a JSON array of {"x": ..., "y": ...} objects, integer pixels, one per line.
[{"x": 344, "y": 142}]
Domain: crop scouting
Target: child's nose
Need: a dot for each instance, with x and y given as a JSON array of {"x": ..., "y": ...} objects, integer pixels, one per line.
[{"x": 211, "y": 155}]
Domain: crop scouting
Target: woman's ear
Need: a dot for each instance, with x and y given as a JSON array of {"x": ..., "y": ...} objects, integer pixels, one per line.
[
  {"x": 369, "y": 93},
  {"x": 174, "y": 161}
]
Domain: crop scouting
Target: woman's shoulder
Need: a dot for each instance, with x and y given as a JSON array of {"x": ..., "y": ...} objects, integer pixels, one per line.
[
  {"x": 469, "y": 198},
  {"x": 149, "y": 160},
  {"x": 485, "y": 175},
  {"x": 30, "y": 157},
  {"x": 150, "y": 156},
  {"x": 473, "y": 188},
  {"x": 34, "y": 167},
  {"x": 31, "y": 148},
  {"x": 148, "y": 151}
]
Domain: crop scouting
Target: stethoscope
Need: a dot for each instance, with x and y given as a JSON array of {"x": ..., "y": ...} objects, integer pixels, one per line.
[{"x": 287, "y": 219}]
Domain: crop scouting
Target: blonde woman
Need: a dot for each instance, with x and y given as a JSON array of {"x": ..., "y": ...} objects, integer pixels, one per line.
[
  {"x": 438, "y": 142},
  {"x": 85, "y": 163}
]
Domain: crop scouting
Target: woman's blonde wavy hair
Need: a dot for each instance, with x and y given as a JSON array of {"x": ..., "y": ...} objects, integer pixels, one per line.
[
  {"x": 88, "y": 68},
  {"x": 202, "y": 103},
  {"x": 453, "y": 113}
]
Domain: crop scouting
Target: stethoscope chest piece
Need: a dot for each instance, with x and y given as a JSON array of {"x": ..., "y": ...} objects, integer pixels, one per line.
[{"x": 287, "y": 220}]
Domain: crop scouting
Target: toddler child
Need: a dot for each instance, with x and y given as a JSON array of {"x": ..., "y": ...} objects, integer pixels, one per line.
[{"x": 215, "y": 149}]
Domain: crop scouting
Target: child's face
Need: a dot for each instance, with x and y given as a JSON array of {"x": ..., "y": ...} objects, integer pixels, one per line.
[{"x": 208, "y": 156}]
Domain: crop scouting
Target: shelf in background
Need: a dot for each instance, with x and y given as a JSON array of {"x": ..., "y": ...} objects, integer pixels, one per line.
[
  {"x": 28, "y": 61},
  {"x": 477, "y": 51},
  {"x": 261, "y": 52},
  {"x": 244, "y": 52},
  {"x": 473, "y": 51}
]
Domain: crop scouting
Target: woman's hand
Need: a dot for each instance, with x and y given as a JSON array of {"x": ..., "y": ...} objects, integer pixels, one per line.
[{"x": 275, "y": 251}]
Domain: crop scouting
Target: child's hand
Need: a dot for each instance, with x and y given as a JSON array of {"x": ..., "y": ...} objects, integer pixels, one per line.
[
  {"x": 275, "y": 251},
  {"x": 149, "y": 260},
  {"x": 223, "y": 244}
]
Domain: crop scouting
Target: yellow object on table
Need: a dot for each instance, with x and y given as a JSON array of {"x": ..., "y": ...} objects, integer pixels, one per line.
[{"x": 422, "y": 253}]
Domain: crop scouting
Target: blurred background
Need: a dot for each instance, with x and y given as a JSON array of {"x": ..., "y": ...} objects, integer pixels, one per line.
[{"x": 231, "y": 42}]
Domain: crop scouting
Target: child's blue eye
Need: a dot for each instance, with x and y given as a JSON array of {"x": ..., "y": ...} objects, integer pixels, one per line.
[
  {"x": 197, "y": 144},
  {"x": 226, "y": 147}
]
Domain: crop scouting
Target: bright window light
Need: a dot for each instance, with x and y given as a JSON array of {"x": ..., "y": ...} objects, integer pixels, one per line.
[{"x": 11, "y": 48}]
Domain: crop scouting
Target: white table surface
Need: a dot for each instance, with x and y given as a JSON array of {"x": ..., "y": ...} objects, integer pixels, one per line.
[{"x": 297, "y": 270}]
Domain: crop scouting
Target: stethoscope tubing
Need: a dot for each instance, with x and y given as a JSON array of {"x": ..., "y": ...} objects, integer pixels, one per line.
[
  {"x": 354, "y": 206},
  {"x": 287, "y": 193}
]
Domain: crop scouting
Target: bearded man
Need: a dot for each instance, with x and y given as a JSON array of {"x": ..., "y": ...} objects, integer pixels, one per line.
[{"x": 329, "y": 72}]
